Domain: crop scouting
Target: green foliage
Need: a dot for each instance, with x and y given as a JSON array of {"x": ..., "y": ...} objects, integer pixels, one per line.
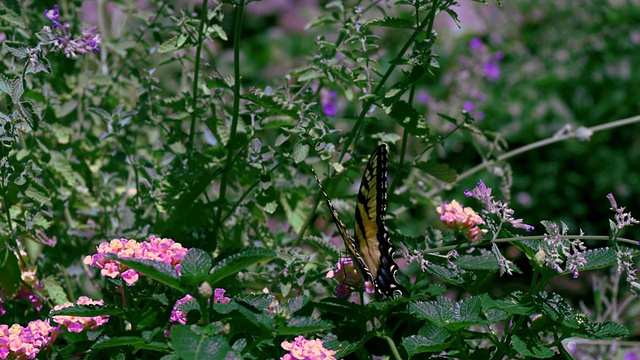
[{"x": 203, "y": 125}]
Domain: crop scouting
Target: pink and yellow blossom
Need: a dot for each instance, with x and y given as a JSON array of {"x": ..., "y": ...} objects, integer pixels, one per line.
[
  {"x": 462, "y": 219},
  {"x": 156, "y": 249},
  {"x": 77, "y": 324},
  {"x": 302, "y": 348}
]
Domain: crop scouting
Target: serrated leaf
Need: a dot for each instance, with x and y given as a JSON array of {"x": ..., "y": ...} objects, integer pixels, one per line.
[
  {"x": 136, "y": 342},
  {"x": 195, "y": 266},
  {"x": 444, "y": 273},
  {"x": 430, "y": 338},
  {"x": 60, "y": 165},
  {"x": 604, "y": 257},
  {"x": 87, "y": 311},
  {"x": 449, "y": 314},
  {"x": 484, "y": 261},
  {"x": 440, "y": 171},
  {"x": 13, "y": 19},
  {"x": 300, "y": 152},
  {"x": 304, "y": 325},
  {"x": 235, "y": 262},
  {"x": 325, "y": 246},
  {"x": 257, "y": 301},
  {"x": 37, "y": 192},
  {"x": 281, "y": 139},
  {"x": 325, "y": 18},
  {"x": 531, "y": 348},
  {"x": 603, "y": 331},
  {"x": 391, "y": 22},
  {"x": 169, "y": 45},
  {"x": 17, "y": 89},
  {"x": 55, "y": 290},
  {"x": 17, "y": 49},
  {"x": 156, "y": 270}
]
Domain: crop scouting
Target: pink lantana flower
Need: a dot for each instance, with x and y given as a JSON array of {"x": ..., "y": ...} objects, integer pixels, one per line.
[
  {"x": 156, "y": 249},
  {"x": 77, "y": 324},
  {"x": 302, "y": 348},
  {"x": 464, "y": 220}
]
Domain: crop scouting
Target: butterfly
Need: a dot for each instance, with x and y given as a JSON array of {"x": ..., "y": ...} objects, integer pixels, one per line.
[{"x": 371, "y": 249}]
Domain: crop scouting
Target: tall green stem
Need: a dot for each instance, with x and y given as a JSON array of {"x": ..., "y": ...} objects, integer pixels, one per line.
[
  {"x": 196, "y": 76},
  {"x": 231, "y": 144}
]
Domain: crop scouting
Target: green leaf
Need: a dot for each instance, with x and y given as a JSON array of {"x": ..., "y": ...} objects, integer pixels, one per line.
[
  {"x": 391, "y": 22},
  {"x": 55, "y": 290},
  {"x": 484, "y": 261},
  {"x": 169, "y": 45},
  {"x": 446, "y": 274},
  {"x": 326, "y": 246},
  {"x": 325, "y": 18},
  {"x": 531, "y": 348},
  {"x": 262, "y": 320},
  {"x": 296, "y": 216},
  {"x": 603, "y": 331},
  {"x": 430, "y": 338},
  {"x": 13, "y": 19},
  {"x": 257, "y": 301},
  {"x": 11, "y": 275},
  {"x": 195, "y": 266},
  {"x": 440, "y": 171},
  {"x": 17, "y": 49},
  {"x": 216, "y": 29},
  {"x": 137, "y": 343},
  {"x": 604, "y": 257},
  {"x": 304, "y": 325},
  {"x": 448, "y": 314},
  {"x": 156, "y": 270},
  {"x": 87, "y": 311},
  {"x": 300, "y": 152},
  {"x": 37, "y": 192},
  {"x": 240, "y": 260}
]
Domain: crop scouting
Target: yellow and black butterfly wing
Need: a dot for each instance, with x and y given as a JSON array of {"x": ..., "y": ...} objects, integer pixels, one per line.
[{"x": 373, "y": 245}]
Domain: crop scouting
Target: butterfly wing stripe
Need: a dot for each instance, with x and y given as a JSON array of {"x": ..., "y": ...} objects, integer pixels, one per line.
[{"x": 349, "y": 242}]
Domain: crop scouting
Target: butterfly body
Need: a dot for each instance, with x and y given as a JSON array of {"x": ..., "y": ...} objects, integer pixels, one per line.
[{"x": 371, "y": 248}]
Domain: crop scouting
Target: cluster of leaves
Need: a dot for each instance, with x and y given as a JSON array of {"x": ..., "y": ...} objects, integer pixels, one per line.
[{"x": 164, "y": 135}]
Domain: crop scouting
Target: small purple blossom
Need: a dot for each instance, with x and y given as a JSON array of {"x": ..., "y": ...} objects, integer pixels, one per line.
[
  {"x": 623, "y": 219},
  {"x": 491, "y": 70},
  {"x": 61, "y": 38},
  {"x": 328, "y": 101},
  {"x": 475, "y": 44},
  {"x": 468, "y": 106},
  {"x": 53, "y": 15},
  {"x": 483, "y": 194}
]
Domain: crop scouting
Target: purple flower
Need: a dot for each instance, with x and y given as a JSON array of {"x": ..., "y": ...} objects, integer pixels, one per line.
[
  {"x": 328, "y": 101},
  {"x": 423, "y": 97},
  {"x": 468, "y": 106},
  {"x": 53, "y": 15},
  {"x": 491, "y": 70},
  {"x": 61, "y": 38},
  {"x": 475, "y": 44}
]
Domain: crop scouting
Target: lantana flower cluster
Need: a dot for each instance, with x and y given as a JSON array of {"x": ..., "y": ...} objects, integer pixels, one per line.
[
  {"x": 17, "y": 342},
  {"x": 302, "y": 348},
  {"x": 348, "y": 278},
  {"x": 157, "y": 249},
  {"x": 61, "y": 38},
  {"x": 495, "y": 207},
  {"x": 77, "y": 324},
  {"x": 462, "y": 219}
]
